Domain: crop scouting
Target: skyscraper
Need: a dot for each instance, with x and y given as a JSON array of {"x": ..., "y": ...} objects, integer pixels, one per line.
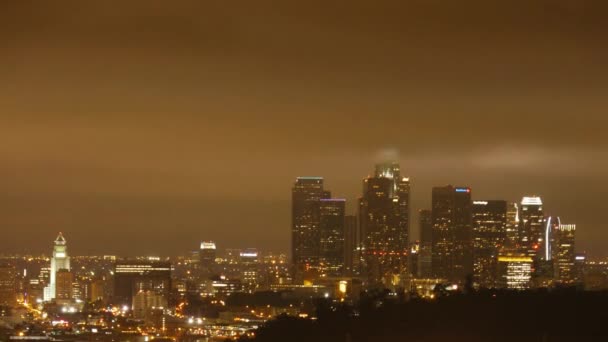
[
  {"x": 489, "y": 236},
  {"x": 425, "y": 221},
  {"x": 542, "y": 252},
  {"x": 384, "y": 222},
  {"x": 512, "y": 229},
  {"x": 249, "y": 261},
  {"x": 331, "y": 226},
  {"x": 131, "y": 277},
  {"x": 59, "y": 261},
  {"x": 514, "y": 271},
  {"x": 425, "y": 255},
  {"x": 532, "y": 226},
  {"x": 64, "y": 285},
  {"x": 305, "y": 233},
  {"x": 452, "y": 233},
  {"x": 352, "y": 240},
  {"x": 579, "y": 267},
  {"x": 400, "y": 195},
  {"x": 564, "y": 261},
  {"x": 207, "y": 254}
]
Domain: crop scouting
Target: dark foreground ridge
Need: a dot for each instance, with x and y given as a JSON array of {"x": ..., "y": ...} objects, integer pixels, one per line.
[{"x": 490, "y": 316}]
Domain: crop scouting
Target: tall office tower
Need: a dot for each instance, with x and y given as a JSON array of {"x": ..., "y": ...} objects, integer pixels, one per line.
[
  {"x": 532, "y": 226},
  {"x": 425, "y": 221},
  {"x": 305, "y": 217},
  {"x": 384, "y": 224},
  {"x": 425, "y": 255},
  {"x": 489, "y": 236},
  {"x": 579, "y": 267},
  {"x": 207, "y": 255},
  {"x": 130, "y": 277},
  {"x": 400, "y": 194},
  {"x": 413, "y": 259},
  {"x": 64, "y": 285},
  {"x": 514, "y": 271},
  {"x": 512, "y": 229},
  {"x": 544, "y": 273},
  {"x": 351, "y": 245},
  {"x": 552, "y": 224},
  {"x": 8, "y": 285},
  {"x": 331, "y": 226},
  {"x": 390, "y": 170},
  {"x": 249, "y": 261},
  {"x": 45, "y": 276},
  {"x": 452, "y": 233},
  {"x": 60, "y": 260},
  {"x": 564, "y": 262}
]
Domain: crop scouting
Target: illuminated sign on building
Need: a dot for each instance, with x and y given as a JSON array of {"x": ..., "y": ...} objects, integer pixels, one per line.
[{"x": 207, "y": 245}]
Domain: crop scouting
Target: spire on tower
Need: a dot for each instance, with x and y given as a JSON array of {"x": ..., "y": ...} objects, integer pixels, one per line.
[{"x": 60, "y": 240}]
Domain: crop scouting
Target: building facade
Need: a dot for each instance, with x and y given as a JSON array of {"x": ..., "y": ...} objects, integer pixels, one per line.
[
  {"x": 512, "y": 228},
  {"x": 384, "y": 223},
  {"x": 514, "y": 271},
  {"x": 489, "y": 236},
  {"x": 64, "y": 285},
  {"x": 452, "y": 233},
  {"x": 305, "y": 225},
  {"x": 207, "y": 254},
  {"x": 352, "y": 244},
  {"x": 532, "y": 226},
  {"x": 564, "y": 254},
  {"x": 332, "y": 229},
  {"x": 131, "y": 277},
  {"x": 59, "y": 261}
]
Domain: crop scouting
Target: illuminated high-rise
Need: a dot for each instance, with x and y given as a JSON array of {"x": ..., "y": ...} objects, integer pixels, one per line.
[
  {"x": 331, "y": 244},
  {"x": 544, "y": 271},
  {"x": 512, "y": 228},
  {"x": 131, "y": 277},
  {"x": 305, "y": 222},
  {"x": 425, "y": 223},
  {"x": 59, "y": 261},
  {"x": 489, "y": 236},
  {"x": 400, "y": 195},
  {"x": 425, "y": 255},
  {"x": 207, "y": 254},
  {"x": 579, "y": 267},
  {"x": 384, "y": 223},
  {"x": 413, "y": 259},
  {"x": 452, "y": 233},
  {"x": 514, "y": 271},
  {"x": 564, "y": 255},
  {"x": 249, "y": 261},
  {"x": 351, "y": 245},
  {"x": 64, "y": 285},
  {"x": 532, "y": 226}
]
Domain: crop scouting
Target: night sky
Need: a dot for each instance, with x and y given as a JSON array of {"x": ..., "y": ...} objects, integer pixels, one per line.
[{"x": 149, "y": 126}]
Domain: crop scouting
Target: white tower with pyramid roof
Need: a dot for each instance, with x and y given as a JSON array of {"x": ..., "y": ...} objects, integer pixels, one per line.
[{"x": 59, "y": 261}]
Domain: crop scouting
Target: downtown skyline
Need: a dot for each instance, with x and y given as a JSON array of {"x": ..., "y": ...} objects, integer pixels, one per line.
[
  {"x": 351, "y": 209},
  {"x": 318, "y": 170}
]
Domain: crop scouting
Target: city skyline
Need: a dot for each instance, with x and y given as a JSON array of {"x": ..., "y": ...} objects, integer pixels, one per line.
[
  {"x": 351, "y": 209},
  {"x": 414, "y": 231},
  {"x": 261, "y": 171}
]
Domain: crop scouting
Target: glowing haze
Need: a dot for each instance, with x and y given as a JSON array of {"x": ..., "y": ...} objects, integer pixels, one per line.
[{"x": 150, "y": 126}]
